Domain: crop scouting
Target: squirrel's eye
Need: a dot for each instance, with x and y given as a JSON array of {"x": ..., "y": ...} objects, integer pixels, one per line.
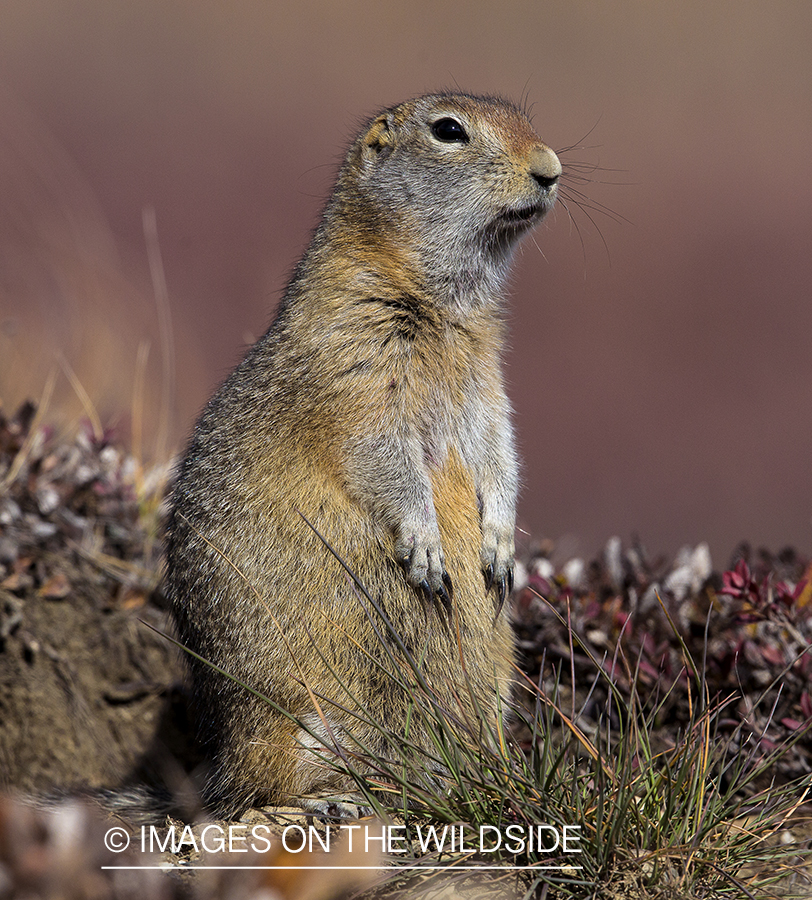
[{"x": 449, "y": 131}]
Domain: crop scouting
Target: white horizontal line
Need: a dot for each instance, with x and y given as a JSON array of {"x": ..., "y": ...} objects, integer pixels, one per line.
[{"x": 393, "y": 869}]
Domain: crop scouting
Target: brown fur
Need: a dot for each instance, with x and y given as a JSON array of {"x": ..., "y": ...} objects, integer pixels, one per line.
[{"x": 374, "y": 407}]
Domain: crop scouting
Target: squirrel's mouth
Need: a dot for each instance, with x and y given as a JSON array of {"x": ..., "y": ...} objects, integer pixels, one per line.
[
  {"x": 512, "y": 222},
  {"x": 522, "y": 216}
]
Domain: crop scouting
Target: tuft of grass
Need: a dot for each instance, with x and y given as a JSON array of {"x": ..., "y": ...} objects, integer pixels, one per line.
[{"x": 701, "y": 817}]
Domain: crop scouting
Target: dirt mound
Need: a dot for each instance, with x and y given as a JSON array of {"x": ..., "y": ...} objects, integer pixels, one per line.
[{"x": 89, "y": 695}]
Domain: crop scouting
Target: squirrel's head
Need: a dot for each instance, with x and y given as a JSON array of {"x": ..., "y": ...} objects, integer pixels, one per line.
[
  {"x": 474, "y": 165},
  {"x": 444, "y": 186}
]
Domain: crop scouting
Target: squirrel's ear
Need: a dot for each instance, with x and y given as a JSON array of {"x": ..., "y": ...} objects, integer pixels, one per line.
[{"x": 379, "y": 140}]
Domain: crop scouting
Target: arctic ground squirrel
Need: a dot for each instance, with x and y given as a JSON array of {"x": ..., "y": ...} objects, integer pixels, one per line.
[{"x": 371, "y": 417}]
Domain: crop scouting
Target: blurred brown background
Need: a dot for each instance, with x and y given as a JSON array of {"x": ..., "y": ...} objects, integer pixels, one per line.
[{"x": 660, "y": 362}]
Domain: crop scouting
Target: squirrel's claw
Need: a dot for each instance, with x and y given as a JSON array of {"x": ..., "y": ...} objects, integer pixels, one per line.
[
  {"x": 444, "y": 593},
  {"x": 502, "y": 594},
  {"x": 503, "y": 582},
  {"x": 445, "y": 598},
  {"x": 449, "y": 586}
]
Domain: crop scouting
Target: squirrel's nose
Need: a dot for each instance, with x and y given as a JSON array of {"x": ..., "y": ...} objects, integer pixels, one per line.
[{"x": 545, "y": 166}]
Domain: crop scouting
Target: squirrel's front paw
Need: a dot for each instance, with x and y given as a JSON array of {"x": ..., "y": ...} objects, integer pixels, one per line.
[
  {"x": 421, "y": 555},
  {"x": 497, "y": 557}
]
